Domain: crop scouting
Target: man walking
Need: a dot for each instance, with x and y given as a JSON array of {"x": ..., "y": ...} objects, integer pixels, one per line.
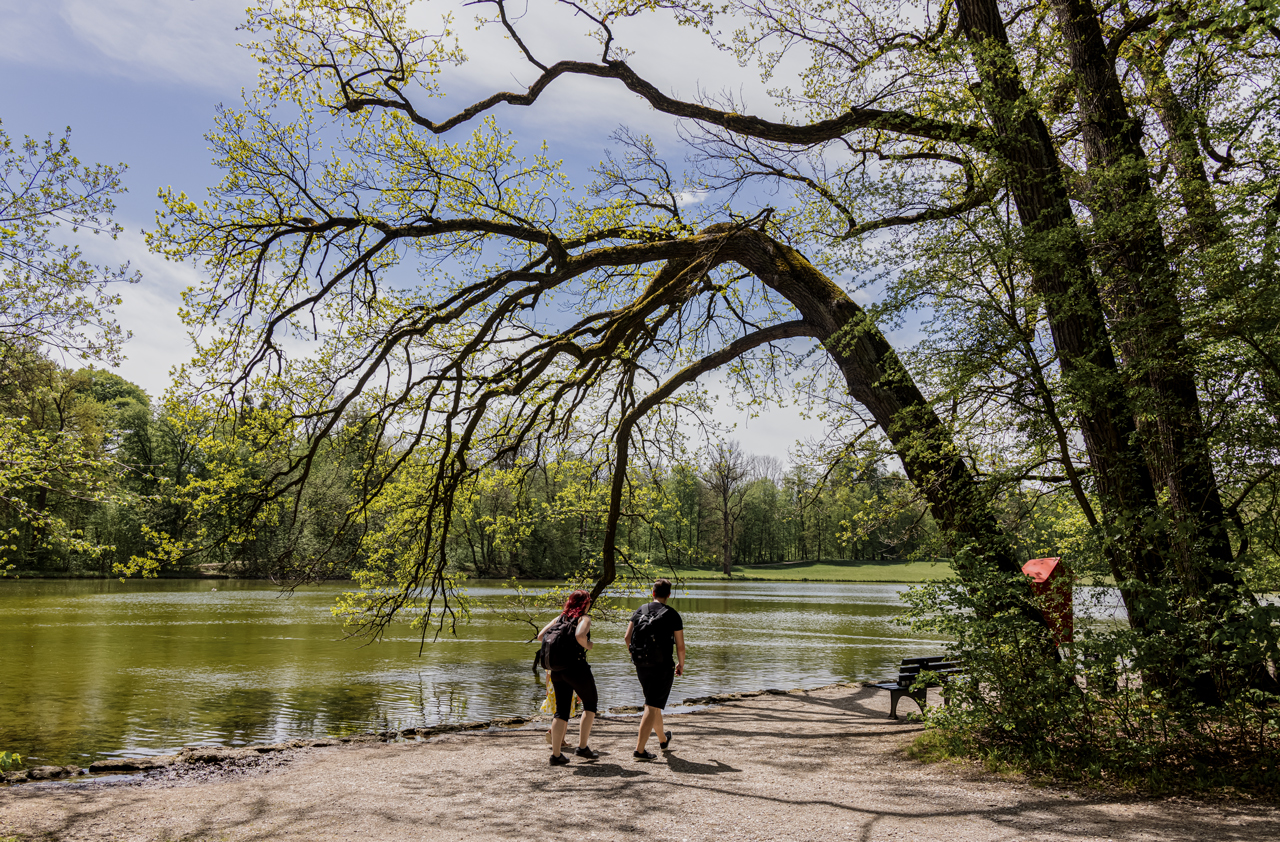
[{"x": 650, "y": 634}]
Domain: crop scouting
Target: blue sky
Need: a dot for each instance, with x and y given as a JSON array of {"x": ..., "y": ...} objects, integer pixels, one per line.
[{"x": 138, "y": 81}]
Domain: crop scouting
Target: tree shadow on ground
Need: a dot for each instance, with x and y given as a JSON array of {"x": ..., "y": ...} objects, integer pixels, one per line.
[
  {"x": 607, "y": 770},
  {"x": 687, "y": 767}
]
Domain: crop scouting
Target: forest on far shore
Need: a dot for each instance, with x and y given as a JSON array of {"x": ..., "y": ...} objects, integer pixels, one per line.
[{"x": 133, "y": 470}]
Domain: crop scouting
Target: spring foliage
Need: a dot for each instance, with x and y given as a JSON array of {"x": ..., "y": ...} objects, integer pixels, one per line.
[{"x": 1078, "y": 203}]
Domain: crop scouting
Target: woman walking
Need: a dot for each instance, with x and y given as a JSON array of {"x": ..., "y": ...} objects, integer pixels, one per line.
[{"x": 566, "y": 640}]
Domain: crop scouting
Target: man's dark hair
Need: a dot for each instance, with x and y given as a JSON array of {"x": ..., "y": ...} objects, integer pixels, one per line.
[{"x": 662, "y": 588}]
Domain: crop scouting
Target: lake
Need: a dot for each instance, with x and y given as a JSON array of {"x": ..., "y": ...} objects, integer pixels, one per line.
[{"x": 96, "y": 669}]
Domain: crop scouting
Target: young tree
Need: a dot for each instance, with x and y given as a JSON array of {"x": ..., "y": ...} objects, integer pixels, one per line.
[{"x": 726, "y": 475}]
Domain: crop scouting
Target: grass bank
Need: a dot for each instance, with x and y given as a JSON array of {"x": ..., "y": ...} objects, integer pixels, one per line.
[{"x": 826, "y": 571}]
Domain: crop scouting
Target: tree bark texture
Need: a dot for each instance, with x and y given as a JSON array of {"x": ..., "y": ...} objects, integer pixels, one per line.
[
  {"x": 1060, "y": 267},
  {"x": 1148, "y": 314},
  {"x": 1142, "y": 423}
]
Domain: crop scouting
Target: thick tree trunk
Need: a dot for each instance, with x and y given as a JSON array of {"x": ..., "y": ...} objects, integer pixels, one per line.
[
  {"x": 1153, "y": 326},
  {"x": 1157, "y": 382},
  {"x": 1218, "y": 261},
  {"x": 1060, "y": 269},
  {"x": 1148, "y": 315}
]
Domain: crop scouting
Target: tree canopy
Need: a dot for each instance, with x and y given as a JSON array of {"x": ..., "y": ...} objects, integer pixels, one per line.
[
  {"x": 50, "y": 295},
  {"x": 1079, "y": 202}
]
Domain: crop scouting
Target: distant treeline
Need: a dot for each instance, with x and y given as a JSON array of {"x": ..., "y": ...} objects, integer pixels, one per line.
[{"x": 98, "y": 474}]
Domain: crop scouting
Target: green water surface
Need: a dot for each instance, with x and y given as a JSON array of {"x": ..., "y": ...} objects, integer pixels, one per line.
[{"x": 95, "y": 669}]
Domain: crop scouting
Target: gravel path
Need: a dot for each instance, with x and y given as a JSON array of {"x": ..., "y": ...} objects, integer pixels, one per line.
[{"x": 825, "y": 765}]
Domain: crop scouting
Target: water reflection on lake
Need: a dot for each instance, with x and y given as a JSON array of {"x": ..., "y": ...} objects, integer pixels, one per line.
[{"x": 103, "y": 668}]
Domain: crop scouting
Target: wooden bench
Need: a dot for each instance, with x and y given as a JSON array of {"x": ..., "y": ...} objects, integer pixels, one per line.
[{"x": 908, "y": 685}]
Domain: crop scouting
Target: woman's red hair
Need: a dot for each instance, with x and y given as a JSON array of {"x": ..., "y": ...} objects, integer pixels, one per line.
[{"x": 578, "y": 603}]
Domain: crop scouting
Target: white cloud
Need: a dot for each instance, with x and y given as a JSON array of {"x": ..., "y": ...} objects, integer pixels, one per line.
[
  {"x": 691, "y": 197},
  {"x": 165, "y": 41},
  {"x": 194, "y": 43},
  {"x": 149, "y": 309},
  {"x": 774, "y": 431}
]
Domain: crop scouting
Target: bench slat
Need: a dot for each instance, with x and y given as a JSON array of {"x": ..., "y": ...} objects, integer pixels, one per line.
[{"x": 909, "y": 684}]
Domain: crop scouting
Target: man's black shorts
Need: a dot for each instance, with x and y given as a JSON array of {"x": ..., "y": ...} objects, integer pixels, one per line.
[{"x": 656, "y": 682}]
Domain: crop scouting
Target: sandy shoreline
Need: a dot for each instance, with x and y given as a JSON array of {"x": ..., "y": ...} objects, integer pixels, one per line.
[{"x": 820, "y": 765}]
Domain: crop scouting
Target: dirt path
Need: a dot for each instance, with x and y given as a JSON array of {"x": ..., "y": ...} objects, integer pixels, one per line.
[{"x": 820, "y": 766}]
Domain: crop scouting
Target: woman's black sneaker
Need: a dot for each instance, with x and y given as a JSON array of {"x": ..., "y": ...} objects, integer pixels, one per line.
[
  {"x": 644, "y": 755},
  {"x": 584, "y": 751},
  {"x": 559, "y": 760},
  {"x": 663, "y": 745}
]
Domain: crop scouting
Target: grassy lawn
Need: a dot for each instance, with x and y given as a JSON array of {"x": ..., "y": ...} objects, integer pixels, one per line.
[{"x": 827, "y": 571}]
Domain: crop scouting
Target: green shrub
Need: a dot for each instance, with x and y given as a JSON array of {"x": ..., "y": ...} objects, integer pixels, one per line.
[{"x": 1118, "y": 710}]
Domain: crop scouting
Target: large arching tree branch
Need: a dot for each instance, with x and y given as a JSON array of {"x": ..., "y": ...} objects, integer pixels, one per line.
[
  {"x": 476, "y": 400},
  {"x": 821, "y": 131},
  {"x": 691, "y": 372},
  {"x": 875, "y": 378}
]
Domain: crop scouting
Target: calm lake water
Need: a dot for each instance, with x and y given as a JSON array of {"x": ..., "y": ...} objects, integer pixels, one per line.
[{"x": 94, "y": 669}]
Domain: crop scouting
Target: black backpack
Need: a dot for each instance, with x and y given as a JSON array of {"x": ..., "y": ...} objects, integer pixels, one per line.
[
  {"x": 560, "y": 648},
  {"x": 647, "y": 648}
]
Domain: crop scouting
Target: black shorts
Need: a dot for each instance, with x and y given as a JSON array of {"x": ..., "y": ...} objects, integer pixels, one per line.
[
  {"x": 578, "y": 679},
  {"x": 656, "y": 683}
]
